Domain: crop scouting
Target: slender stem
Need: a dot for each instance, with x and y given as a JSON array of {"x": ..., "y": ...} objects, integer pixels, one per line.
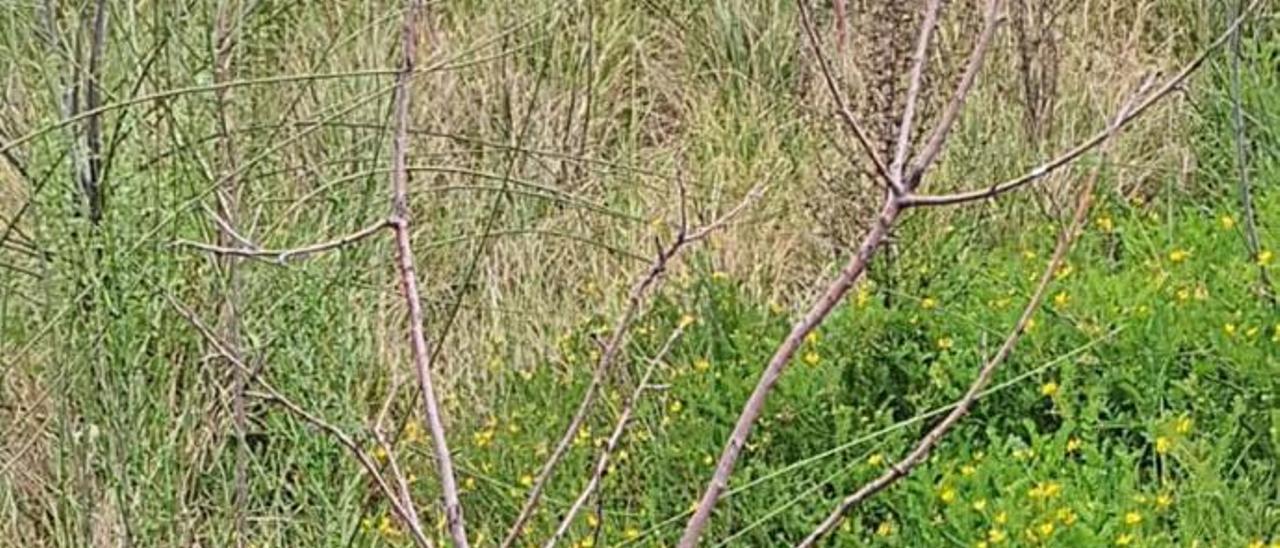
[
  {"x": 938, "y": 135},
  {"x": 1242, "y": 164},
  {"x": 782, "y": 356},
  {"x": 602, "y": 462},
  {"x": 400, "y": 224},
  {"x": 283, "y": 255},
  {"x": 926, "y": 444},
  {"x": 609, "y": 353},
  {"x": 1079, "y": 150},
  {"x": 842, "y": 109},
  {"x": 405, "y": 513},
  {"x": 915, "y": 82}
]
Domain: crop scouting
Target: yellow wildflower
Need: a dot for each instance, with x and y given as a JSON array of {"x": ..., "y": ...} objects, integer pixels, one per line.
[
  {"x": 997, "y": 536},
  {"x": 379, "y": 453},
  {"x": 707, "y": 460},
  {"x": 1105, "y": 224},
  {"x": 1265, "y": 257},
  {"x": 884, "y": 529},
  {"x": 701, "y": 364},
  {"x": 1179, "y": 255},
  {"x": 1029, "y": 255},
  {"x": 1073, "y": 445},
  {"x": 876, "y": 459},
  {"x": 968, "y": 470},
  {"x": 1132, "y": 518},
  {"x": 677, "y": 406},
  {"x": 947, "y": 495},
  {"x": 863, "y": 297},
  {"x": 686, "y": 320},
  {"x": 1163, "y": 445},
  {"x": 719, "y": 275},
  {"x": 1063, "y": 271},
  {"x": 1067, "y": 516},
  {"x": 1049, "y": 389},
  {"x": 1045, "y": 529},
  {"x": 1124, "y": 539},
  {"x": 812, "y": 358},
  {"x": 1228, "y": 222},
  {"x": 1045, "y": 490},
  {"x": 945, "y": 343},
  {"x": 1164, "y": 500},
  {"x": 1183, "y": 425},
  {"x": 592, "y": 520},
  {"x": 526, "y": 480},
  {"x": 1001, "y": 518},
  {"x": 469, "y": 484},
  {"x": 386, "y": 528},
  {"x": 812, "y": 337},
  {"x": 1257, "y": 543},
  {"x": 1229, "y": 329},
  {"x": 980, "y": 505},
  {"x": 631, "y": 533},
  {"x": 1184, "y": 295},
  {"x": 1061, "y": 300},
  {"x": 928, "y": 303}
]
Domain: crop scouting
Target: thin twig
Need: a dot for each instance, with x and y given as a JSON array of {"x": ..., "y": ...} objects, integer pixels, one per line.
[
  {"x": 926, "y": 444},
  {"x": 602, "y": 462},
  {"x": 938, "y": 135},
  {"x": 782, "y": 356},
  {"x": 406, "y": 513},
  {"x": 1066, "y": 158},
  {"x": 842, "y": 109},
  {"x": 916, "y": 81},
  {"x": 400, "y": 220},
  {"x": 283, "y": 255},
  {"x": 605, "y": 365}
]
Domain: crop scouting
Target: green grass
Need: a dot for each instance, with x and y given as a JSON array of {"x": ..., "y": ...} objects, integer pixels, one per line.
[{"x": 1149, "y": 388}]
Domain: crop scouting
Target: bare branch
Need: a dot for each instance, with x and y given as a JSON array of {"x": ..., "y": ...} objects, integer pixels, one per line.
[
  {"x": 1066, "y": 158},
  {"x": 842, "y": 109},
  {"x": 283, "y": 255},
  {"x": 399, "y": 222},
  {"x": 602, "y": 463},
  {"x": 938, "y": 135},
  {"x": 405, "y": 513},
  {"x": 781, "y": 357},
  {"x": 913, "y": 93},
  {"x": 926, "y": 444},
  {"x": 607, "y": 357}
]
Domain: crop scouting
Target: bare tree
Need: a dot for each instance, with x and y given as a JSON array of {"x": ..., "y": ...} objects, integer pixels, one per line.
[{"x": 903, "y": 195}]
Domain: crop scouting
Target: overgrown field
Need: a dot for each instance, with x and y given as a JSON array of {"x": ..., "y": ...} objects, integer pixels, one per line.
[{"x": 551, "y": 145}]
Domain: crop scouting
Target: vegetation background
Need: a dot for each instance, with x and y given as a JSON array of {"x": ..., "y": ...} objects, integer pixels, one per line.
[{"x": 547, "y": 139}]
